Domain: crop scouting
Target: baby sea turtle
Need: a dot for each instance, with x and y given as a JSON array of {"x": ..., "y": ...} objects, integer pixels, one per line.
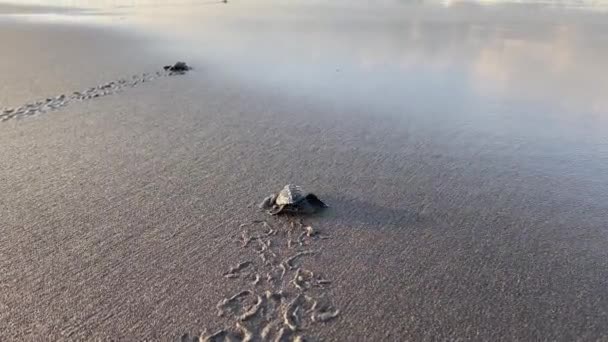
[
  {"x": 291, "y": 199},
  {"x": 179, "y": 67}
]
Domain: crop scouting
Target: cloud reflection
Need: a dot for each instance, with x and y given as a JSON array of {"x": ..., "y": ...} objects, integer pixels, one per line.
[{"x": 522, "y": 51}]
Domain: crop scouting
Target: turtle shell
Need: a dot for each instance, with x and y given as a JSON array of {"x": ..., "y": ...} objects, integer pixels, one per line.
[{"x": 290, "y": 194}]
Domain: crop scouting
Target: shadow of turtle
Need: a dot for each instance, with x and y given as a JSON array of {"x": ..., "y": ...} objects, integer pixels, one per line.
[{"x": 357, "y": 213}]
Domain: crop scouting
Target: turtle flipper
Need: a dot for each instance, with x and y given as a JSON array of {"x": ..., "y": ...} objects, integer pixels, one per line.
[
  {"x": 268, "y": 202},
  {"x": 276, "y": 209}
]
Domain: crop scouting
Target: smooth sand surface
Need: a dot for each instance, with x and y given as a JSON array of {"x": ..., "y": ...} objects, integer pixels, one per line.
[
  {"x": 14, "y": 8},
  {"x": 66, "y": 58},
  {"x": 121, "y": 216}
]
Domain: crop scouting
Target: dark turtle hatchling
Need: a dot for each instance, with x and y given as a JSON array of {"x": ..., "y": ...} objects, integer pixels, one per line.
[
  {"x": 179, "y": 68},
  {"x": 291, "y": 199}
]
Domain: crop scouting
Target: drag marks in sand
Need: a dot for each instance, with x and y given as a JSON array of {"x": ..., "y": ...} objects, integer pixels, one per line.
[
  {"x": 280, "y": 296},
  {"x": 60, "y": 101}
]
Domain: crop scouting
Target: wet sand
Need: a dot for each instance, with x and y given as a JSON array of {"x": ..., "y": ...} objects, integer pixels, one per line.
[{"x": 130, "y": 216}]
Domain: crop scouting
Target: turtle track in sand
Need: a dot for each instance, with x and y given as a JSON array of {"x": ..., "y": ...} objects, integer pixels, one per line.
[
  {"x": 280, "y": 296},
  {"x": 60, "y": 101}
]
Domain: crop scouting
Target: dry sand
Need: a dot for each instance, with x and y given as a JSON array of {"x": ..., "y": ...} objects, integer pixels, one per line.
[{"x": 122, "y": 217}]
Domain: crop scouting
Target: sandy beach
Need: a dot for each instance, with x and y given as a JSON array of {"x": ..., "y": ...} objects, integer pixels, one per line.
[{"x": 465, "y": 203}]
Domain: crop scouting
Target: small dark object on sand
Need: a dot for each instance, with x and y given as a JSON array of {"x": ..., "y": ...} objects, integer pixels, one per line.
[
  {"x": 179, "y": 67},
  {"x": 291, "y": 199}
]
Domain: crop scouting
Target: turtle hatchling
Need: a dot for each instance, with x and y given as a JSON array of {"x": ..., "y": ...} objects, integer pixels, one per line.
[
  {"x": 179, "y": 67},
  {"x": 291, "y": 199}
]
